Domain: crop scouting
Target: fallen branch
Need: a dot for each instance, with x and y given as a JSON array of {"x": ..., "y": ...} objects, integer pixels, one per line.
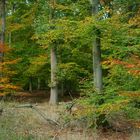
[{"x": 43, "y": 115}]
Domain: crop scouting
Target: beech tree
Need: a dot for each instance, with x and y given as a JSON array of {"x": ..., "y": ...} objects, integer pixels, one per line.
[
  {"x": 2, "y": 35},
  {"x": 97, "y": 68},
  {"x": 3, "y": 24}
]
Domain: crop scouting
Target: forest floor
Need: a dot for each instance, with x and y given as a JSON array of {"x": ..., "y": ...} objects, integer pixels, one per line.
[{"x": 25, "y": 123}]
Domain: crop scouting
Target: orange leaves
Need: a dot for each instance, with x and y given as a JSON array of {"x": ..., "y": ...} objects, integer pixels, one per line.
[
  {"x": 113, "y": 62},
  {"x": 12, "y": 87},
  {"x": 10, "y": 62},
  {"x": 2, "y": 47},
  {"x": 132, "y": 65},
  {"x": 5, "y": 84},
  {"x": 3, "y": 80},
  {"x": 9, "y": 87},
  {"x": 5, "y": 69},
  {"x": 134, "y": 72}
]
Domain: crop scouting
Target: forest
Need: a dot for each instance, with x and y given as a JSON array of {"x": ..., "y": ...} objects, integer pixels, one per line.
[{"x": 69, "y": 69}]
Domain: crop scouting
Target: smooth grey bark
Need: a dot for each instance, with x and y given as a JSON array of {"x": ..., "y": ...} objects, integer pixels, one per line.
[
  {"x": 97, "y": 67},
  {"x": 54, "y": 89}
]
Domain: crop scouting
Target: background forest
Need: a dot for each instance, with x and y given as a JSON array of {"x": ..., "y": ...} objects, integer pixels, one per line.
[{"x": 89, "y": 48}]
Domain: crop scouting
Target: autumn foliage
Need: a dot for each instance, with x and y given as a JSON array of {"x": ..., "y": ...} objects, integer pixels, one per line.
[
  {"x": 132, "y": 65},
  {"x": 6, "y": 73},
  {"x": 3, "y": 48}
]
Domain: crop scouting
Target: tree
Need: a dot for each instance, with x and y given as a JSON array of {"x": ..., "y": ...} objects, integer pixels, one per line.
[
  {"x": 3, "y": 21},
  {"x": 54, "y": 90},
  {"x": 3, "y": 24},
  {"x": 97, "y": 68},
  {"x": 20, "y": 25}
]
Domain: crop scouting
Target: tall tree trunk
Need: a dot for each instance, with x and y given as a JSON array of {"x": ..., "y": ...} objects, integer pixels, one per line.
[
  {"x": 54, "y": 90},
  {"x": 97, "y": 67},
  {"x": 3, "y": 23},
  {"x": 2, "y": 37}
]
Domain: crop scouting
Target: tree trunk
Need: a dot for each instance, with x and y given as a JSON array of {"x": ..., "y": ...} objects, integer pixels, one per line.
[
  {"x": 2, "y": 37},
  {"x": 38, "y": 83},
  {"x": 97, "y": 68},
  {"x": 10, "y": 39},
  {"x": 54, "y": 90},
  {"x": 3, "y": 23},
  {"x": 30, "y": 85},
  {"x": 62, "y": 89}
]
